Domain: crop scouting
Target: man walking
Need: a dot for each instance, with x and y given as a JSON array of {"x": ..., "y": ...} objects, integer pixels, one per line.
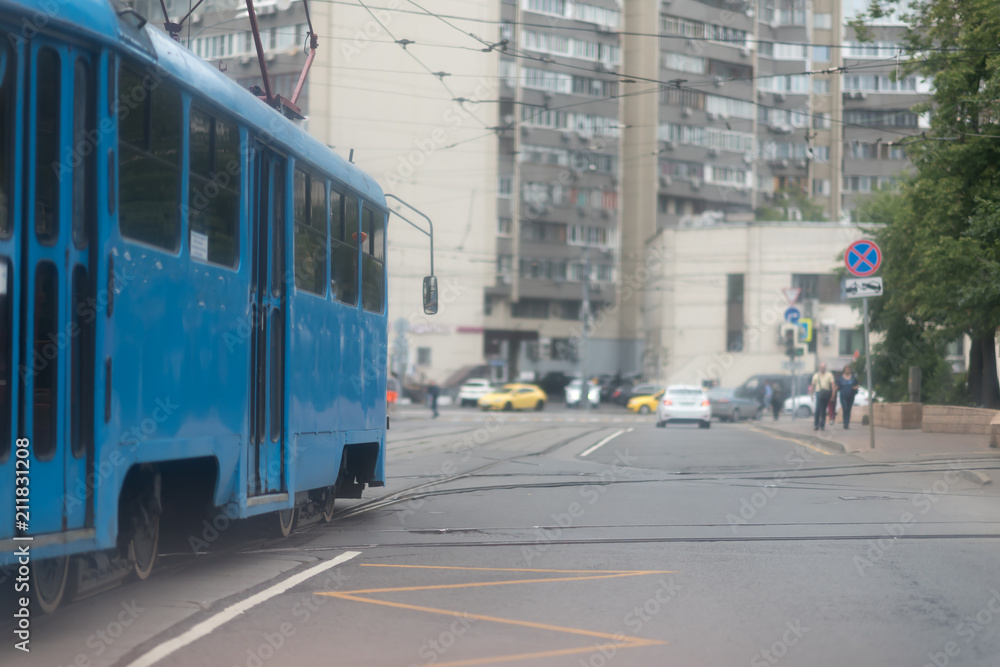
[
  {"x": 433, "y": 392},
  {"x": 822, "y": 387}
]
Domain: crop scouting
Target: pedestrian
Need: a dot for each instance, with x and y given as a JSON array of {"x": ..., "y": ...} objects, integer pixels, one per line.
[
  {"x": 433, "y": 391},
  {"x": 847, "y": 387},
  {"x": 777, "y": 400},
  {"x": 832, "y": 409},
  {"x": 768, "y": 397},
  {"x": 821, "y": 387}
]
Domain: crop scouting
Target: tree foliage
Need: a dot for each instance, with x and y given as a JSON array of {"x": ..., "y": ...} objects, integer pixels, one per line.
[
  {"x": 787, "y": 199},
  {"x": 941, "y": 237}
]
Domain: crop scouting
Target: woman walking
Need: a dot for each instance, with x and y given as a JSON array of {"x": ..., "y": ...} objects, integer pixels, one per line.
[{"x": 847, "y": 387}]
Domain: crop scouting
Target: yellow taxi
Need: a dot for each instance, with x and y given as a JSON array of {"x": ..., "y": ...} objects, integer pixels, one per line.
[
  {"x": 514, "y": 396},
  {"x": 644, "y": 404}
]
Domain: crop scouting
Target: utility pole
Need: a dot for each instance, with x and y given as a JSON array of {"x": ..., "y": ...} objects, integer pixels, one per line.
[{"x": 585, "y": 316}]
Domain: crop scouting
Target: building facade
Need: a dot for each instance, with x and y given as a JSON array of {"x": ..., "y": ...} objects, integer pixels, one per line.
[{"x": 559, "y": 145}]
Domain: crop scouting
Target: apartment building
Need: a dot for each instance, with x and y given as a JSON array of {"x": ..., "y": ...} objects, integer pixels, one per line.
[
  {"x": 585, "y": 129},
  {"x": 558, "y": 207}
]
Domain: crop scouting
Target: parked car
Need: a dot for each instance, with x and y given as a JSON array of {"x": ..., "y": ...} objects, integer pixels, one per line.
[
  {"x": 554, "y": 383},
  {"x": 473, "y": 390},
  {"x": 805, "y": 406},
  {"x": 684, "y": 403},
  {"x": 727, "y": 406},
  {"x": 785, "y": 384},
  {"x": 514, "y": 396},
  {"x": 645, "y": 389},
  {"x": 621, "y": 388},
  {"x": 575, "y": 388},
  {"x": 644, "y": 404}
]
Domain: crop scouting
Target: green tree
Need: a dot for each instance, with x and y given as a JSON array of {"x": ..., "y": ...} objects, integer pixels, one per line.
[
  {"x": 942, "y": 228},
  {"x": 787, "y": 199}
]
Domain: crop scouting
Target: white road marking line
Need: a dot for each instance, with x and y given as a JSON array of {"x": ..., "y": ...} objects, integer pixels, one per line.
[
  {"x": 229, "y": 613},
  {"x": 603, "y": 442}
]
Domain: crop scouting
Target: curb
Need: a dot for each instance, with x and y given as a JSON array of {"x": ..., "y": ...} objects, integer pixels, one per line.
[
  {"x": 838, "y": 447},
  {"x": 975, "y": 476}
]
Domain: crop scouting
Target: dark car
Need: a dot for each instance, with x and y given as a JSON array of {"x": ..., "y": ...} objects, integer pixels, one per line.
[
  {"x": 727, "y": 406},
  {"x": 625, "y": 392},
  {"x": 554, "y": 384},
  {"x": 753, "y": 388}
]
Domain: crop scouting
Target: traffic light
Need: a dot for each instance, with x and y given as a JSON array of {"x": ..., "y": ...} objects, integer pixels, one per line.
[{"x": 788, "y": 335}]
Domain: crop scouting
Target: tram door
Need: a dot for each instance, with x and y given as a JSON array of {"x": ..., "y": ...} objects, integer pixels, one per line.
[
  {"x": 55, "y": 374},
  {"x": 266, "y": 457}
]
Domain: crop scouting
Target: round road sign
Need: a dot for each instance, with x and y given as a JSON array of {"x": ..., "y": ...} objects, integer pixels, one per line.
[
  {"x": 863, "y": 258},
  {"x": 792, "y": 315}
]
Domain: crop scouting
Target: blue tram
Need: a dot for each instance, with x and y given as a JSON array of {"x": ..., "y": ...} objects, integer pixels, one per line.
[{"x": 192, "y": 292}]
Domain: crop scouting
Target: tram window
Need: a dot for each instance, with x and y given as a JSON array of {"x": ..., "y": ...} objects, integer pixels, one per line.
[
  {"x": 47, "y": 352},
  {"x": 84, "y": 134},
  {"x": 47, "y": 83},
  {"x": 8, "y": 79},
  {"x": 344, "y": 247},
  {"x": 310, "y": 233},
  {"x": 372, "y": 264},
  {"x": 82, "y": 365},
  {"x": 6, "y": 336},
  {"x": 214, "y": 188},
  {"x": 149, "y": 149}
]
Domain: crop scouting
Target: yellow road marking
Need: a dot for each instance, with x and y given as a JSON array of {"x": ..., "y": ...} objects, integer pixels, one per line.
[
  {"x": 547, "y": 654},
  {"x": 772, "y": 434},
  {"x": 517, "y": 569},
  {"x": 480, "y": 584},
  {"x": 492, "y": 619},
  {"x": 618, "y": 641}
]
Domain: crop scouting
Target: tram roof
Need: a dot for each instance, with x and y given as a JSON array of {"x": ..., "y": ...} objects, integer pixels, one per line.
[{"x": 99, "y": 20}]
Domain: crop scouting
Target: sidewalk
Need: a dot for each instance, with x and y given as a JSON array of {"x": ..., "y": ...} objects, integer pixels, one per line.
[{"x": 891, "y": 444}]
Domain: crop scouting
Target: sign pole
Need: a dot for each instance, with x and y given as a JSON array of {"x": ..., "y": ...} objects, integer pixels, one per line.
[{"x": 868, "y": 373}]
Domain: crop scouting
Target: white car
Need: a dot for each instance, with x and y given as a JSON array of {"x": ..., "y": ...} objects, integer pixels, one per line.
[
  {"x": 575, "y": 388},
  {"x": 684, "y": 403},
  {"x": 805, "y": 405},
  {"x": 472, "y": 391}
]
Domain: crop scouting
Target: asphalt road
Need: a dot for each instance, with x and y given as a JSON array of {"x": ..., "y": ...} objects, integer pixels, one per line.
[{"x": 558, "y": 538}]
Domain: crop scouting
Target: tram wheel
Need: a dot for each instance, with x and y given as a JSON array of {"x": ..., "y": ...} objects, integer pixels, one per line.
[
  {"x": 286, "y": 522},
  {"x": 51, "y": 577},
  {"x": 144, "y": 542},
  {"x": 331, "y": 498}
]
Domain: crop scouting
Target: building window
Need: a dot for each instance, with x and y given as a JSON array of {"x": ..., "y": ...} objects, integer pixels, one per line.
[
  {"x": 505, "y": 186},
  {"x": 531, "y": 308},
  {"x": 821, "y": 286},
  {"x": 504, "y": 226},
  {"x": 821, "y": 54},
  {"x": 734, "y": 312},
  {"x": 821, "y": 187},
  {"x": 851, "y": 340},
  {"x": 821, "y": 86},
  {"x": 423, "y": 356},
  {"x": 822, "y": 21}
]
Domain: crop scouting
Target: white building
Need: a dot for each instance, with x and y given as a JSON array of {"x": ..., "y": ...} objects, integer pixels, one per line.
[{"x": 714, "y": 306}]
